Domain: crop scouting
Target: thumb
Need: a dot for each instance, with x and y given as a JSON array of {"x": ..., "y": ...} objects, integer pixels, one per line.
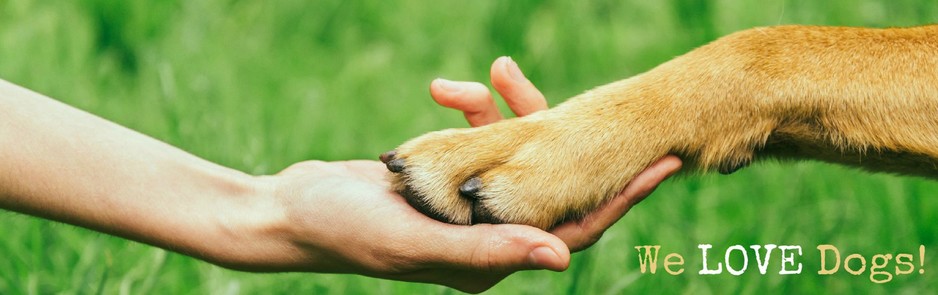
[{"x": 503, "y": 247}]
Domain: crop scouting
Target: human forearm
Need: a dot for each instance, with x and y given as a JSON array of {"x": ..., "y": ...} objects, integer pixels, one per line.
[{"x": 64, "y": 164}]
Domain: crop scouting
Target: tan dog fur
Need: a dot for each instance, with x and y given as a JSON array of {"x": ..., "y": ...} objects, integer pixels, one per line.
[{"x": 854, "y": 96}]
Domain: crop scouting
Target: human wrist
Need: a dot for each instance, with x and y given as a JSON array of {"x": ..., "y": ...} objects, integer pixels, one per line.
[{"x": 248, "y": 228}]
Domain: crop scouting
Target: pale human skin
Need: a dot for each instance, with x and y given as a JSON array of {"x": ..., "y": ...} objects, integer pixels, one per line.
[{"x": 61, "y": 163}]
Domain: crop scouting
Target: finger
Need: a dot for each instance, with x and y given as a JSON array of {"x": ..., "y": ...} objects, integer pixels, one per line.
[
  {"x": 520, "y": 94},
  {"x": 645, "y": 183},
  {"x": 581, "y": 234},
  {"x": 472, "y": 98},
  {"x": 497, "y": 248}
]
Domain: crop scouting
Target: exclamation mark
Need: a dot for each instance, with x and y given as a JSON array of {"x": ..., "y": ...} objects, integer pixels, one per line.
[{"x": 921, "y": 259}]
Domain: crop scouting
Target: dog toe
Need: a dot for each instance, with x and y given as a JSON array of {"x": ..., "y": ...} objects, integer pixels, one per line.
[{"x": 396, "y": 165}]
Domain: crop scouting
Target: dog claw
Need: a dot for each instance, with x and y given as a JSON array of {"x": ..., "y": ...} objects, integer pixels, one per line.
[
  {"x": 396, "y": 165},
  {"x": 471, "y": 188},
  {"x": 729, "y": 169},
  {"x": 388, "y": 156}
]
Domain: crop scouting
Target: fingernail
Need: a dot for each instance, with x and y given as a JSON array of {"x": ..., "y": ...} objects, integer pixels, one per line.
[
  {"x": 514, "y": 71},
  {"x": 545, "y": 258},
  {"x": 448, "y": 85}
]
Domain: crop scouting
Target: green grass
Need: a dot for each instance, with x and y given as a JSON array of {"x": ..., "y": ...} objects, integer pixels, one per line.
[{"x": 257, "y": 85}]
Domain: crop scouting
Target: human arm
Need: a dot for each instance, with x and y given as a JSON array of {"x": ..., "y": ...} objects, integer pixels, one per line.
[{"x": 64, "y": 164}]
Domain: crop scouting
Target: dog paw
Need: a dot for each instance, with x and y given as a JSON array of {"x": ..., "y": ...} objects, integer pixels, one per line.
[{"x": 539, "y": 170}]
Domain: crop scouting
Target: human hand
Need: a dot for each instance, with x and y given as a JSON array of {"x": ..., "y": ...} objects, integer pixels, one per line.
[{"x": 340, "y": 217}]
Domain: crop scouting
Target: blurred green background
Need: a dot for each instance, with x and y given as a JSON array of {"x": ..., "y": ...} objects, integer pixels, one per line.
[{"x": 257, "y": 85}]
